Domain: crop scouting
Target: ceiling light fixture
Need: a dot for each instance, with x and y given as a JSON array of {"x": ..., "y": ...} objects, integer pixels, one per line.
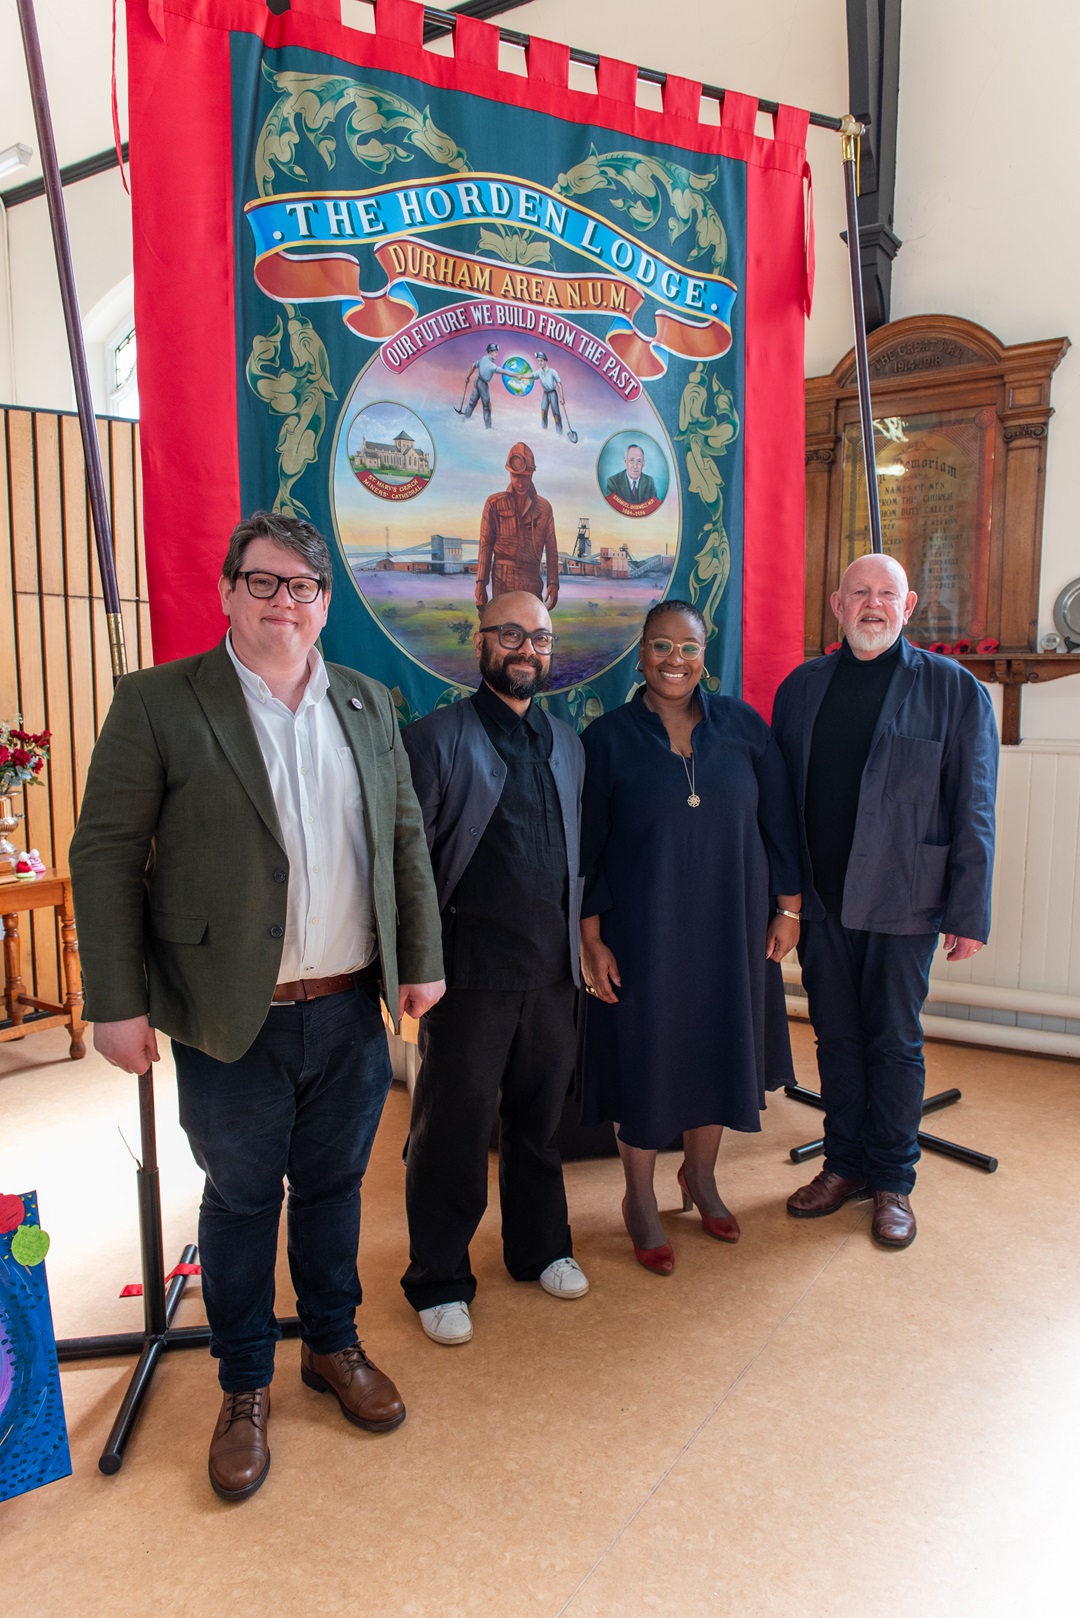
[{"x": 15, "y": 157}]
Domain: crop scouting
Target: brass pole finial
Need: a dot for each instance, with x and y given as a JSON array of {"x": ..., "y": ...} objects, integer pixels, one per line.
[{"x": 850, "y": 131}]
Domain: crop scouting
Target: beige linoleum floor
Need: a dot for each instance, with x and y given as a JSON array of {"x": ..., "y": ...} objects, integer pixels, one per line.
[{"x": 802, "y": 1425}]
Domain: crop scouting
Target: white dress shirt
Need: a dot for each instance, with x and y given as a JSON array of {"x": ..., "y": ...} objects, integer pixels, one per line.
[{"x": 329, "y": 921}]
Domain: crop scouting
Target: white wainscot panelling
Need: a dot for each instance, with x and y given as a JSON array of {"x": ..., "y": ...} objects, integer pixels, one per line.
[{"x": 1035, "y": 937}]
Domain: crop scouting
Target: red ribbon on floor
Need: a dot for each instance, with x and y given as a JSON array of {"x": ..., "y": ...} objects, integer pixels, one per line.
[{"x": 135, "y": 1290}]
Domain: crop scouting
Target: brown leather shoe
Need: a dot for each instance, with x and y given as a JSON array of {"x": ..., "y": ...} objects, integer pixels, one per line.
[
  {"x": 824, "y": 1195},
  {"x": 366, "y": 1395},
  {"x": 893, "y": 1224},
  {"x": 239, "y": 1451}
]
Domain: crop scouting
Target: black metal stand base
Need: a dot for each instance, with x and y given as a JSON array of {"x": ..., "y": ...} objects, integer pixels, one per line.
[
  {"x": 159, "y": 1303},
  {"x": 929, "y": 1143}
]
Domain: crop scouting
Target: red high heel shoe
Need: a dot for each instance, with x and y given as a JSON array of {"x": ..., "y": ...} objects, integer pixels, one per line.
[
  {"x": 725, "y": 1229},
  {"x": 660, "y": 1260}
]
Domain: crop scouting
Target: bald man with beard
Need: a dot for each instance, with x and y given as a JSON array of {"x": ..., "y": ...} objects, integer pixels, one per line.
[
  {"x": 499, "y": 783},
  {"x": 893, "y": 755}
]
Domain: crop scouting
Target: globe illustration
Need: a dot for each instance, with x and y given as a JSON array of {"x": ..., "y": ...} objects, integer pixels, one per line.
[{"x": 519, "y": 378}]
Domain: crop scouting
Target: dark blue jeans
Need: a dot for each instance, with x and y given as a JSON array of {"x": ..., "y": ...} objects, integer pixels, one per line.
[
  {"x": 865, "y": 993},
  {"x": 303, "y": 1102}
]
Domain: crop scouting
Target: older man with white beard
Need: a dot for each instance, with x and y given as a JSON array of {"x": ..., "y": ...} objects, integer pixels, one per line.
[{"x": 893, "y": 755}]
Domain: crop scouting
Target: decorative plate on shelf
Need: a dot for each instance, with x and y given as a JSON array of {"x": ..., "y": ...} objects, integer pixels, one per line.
[{"x": 1067, "y": 615}]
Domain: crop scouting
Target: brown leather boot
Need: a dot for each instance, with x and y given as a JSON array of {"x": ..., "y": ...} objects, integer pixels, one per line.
[
  {"x": 366, "y": 1395},
  {"x": 824, "y": 1195},
  {"x": 239, "y": 1450},
  {"x": 893, "y": 1224}
]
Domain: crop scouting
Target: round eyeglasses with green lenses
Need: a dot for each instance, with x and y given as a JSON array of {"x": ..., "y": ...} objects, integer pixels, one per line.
[{"x": 687, "y": 648}]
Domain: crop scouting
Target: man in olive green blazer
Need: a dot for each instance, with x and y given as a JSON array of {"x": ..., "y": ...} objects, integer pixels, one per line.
[{"x": 249, "y": 871}]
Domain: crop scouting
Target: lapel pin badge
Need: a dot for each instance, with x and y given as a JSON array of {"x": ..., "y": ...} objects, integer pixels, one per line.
[{"x": 354, "y": 702}]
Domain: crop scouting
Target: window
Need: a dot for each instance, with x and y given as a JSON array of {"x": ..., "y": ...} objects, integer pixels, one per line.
[{"x": 123, "y": 377}]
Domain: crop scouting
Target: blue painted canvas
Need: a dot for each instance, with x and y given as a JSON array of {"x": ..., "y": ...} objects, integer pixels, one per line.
[{"x": 33, "y": 1432}]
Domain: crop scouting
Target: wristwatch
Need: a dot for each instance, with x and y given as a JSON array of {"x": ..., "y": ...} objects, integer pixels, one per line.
[{"x": 795, "y": 915}]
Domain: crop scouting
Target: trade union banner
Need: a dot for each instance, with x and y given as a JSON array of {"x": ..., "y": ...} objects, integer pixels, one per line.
[{"x": 486, "y": 331}]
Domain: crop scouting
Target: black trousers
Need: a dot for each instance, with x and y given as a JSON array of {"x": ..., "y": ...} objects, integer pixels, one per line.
[
  {"x": 474, "y": 1043},
  {"x": 865, "y": 992}
]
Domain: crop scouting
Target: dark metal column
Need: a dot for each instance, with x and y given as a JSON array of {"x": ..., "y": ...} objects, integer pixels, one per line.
[{"x": 873, "y": 30}]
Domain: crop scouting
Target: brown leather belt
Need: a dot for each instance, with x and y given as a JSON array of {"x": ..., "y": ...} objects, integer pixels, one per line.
[{"x": 319, "y": 988}]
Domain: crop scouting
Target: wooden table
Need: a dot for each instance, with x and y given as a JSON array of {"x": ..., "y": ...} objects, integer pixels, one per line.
[{"x": 51, "y": 891}]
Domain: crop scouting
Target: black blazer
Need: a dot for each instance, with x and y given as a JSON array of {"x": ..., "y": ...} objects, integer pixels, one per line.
[
  {"x": 459, "y": 776},
  {"x": 923, "y": 854}
]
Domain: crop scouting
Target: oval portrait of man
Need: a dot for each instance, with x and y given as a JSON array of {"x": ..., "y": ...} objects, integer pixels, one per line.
[{"x": 633, "y": 474}]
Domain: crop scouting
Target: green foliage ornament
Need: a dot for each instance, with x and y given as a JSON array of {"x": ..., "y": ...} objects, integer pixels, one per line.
[
  {"x": 708, "y": 424},
  {"x": 298, "y": 392},
  {"x": 646, "y": 182},
  {"x": 309, "y": 104}
]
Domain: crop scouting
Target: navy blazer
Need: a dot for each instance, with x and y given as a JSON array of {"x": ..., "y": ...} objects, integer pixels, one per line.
[
  {"x": 458, "y": 777},
  {"x": 923, "y": 854}
]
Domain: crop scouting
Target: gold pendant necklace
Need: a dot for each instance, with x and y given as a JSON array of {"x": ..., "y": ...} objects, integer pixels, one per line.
[{"x": 691, "y": 779}]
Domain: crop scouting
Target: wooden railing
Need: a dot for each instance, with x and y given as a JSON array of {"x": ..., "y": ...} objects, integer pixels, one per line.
[{"x": 54, "y": 646}]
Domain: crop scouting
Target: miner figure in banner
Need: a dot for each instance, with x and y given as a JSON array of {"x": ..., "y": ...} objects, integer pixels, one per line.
[
  {"x": 893, "y": 755},
  {"x": 483, "y": 370},
  {"x": 251, "y": 874},
  {"x": 551, "y": 391},
  {"x": 499, "y": 782},
  {"x": 517, "y": 536}
]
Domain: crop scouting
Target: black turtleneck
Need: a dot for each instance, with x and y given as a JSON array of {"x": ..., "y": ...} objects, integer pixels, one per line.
[{"x": 839, "y": 746}]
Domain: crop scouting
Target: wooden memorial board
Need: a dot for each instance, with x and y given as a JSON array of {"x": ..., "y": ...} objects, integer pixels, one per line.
[{"x": 960, "y": 423}]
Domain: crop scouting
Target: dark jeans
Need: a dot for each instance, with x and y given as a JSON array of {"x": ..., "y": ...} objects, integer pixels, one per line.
[
  {"x": 304, "y": 1102},
  {"x": 471, "y": 1043},
  {"x": 865, "y": 993}
]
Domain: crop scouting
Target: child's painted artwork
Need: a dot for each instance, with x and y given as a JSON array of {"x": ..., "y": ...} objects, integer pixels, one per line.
[{"x": 33, "y": 1433}]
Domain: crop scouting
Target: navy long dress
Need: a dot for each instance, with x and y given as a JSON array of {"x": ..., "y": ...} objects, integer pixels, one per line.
[{"x": 684, "y": 897}]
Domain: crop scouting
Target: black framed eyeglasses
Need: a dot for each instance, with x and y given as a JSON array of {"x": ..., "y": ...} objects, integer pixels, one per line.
[
  {"x": 512, "y": 637},
  {"x": 687, "y": 648},
  {"x": 265, "y": 586}
]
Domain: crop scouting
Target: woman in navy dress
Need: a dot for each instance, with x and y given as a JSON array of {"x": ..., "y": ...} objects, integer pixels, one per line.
[{"x": 692, "y": 876}]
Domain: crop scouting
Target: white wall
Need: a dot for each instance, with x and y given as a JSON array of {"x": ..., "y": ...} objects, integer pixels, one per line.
[
  {"x": 986, "y": 208},
  {"x": 76, "y": 49},
  {"x": 99, "y": 227}
]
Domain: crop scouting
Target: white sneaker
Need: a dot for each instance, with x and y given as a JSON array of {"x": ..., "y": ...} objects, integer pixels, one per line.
[
  {"x": 564, "y": 1279},
  {"x": 448, "y": 1323}
]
